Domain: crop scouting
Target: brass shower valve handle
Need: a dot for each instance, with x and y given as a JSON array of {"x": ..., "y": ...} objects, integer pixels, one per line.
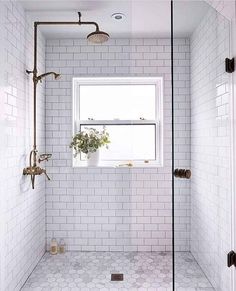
[
  {"x": 45, "y": 173},
  {"x": 34, "y": 170},
  {"x": 182, "y": 173}
]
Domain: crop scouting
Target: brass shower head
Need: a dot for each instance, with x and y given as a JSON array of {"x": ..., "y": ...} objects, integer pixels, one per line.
[
  {"x": 56, "y": 76},
  {"x": 98, "y": 36}
]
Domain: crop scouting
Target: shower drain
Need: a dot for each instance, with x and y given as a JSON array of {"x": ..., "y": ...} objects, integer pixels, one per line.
[{"x": 117, "y": 277}]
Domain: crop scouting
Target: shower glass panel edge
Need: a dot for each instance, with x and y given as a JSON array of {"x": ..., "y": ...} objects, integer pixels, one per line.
[
  {"x": 173, "y": 146},
  {"x": 201, "y": 143}
]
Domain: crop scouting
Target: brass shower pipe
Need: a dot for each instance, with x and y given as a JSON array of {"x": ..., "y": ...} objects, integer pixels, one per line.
[{"x": 97, "y": 36}]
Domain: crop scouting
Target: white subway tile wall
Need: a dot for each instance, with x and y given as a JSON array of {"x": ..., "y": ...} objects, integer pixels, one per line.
[
  {"x": 114, "y": 209},
  {"x": 22, "y": 209},
  {"x": 210, "y": 149}
]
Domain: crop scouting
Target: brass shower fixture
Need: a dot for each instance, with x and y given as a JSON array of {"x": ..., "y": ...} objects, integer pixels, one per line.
[
  {"x": 44, "y": 157},
  {"x": 33, "y": 169},
  {"x": 97, "y": 36},
  {"x": 40, "y": 77}
]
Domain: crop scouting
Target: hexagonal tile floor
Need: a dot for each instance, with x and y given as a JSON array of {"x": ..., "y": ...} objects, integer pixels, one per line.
[{"x": 74, "y": 271}]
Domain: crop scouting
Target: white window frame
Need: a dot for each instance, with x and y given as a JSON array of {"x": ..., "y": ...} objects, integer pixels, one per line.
[{"x": 158, "y": 122}]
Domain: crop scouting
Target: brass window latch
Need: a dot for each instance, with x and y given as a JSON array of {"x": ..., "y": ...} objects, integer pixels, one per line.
[{"x": 182, "y": 173}]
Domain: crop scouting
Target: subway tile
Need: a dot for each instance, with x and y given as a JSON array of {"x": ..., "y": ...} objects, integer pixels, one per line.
[{"x": 111, "y": 200}]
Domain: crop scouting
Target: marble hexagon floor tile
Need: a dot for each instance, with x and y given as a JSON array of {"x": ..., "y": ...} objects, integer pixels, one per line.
[{"x": 143, "y": 271}]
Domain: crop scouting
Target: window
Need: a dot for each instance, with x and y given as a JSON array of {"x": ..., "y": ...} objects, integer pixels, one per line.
[{"x": 131, "y": 111}]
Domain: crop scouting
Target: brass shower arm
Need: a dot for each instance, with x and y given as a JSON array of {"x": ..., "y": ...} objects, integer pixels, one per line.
[
  {"x": 87, "y": 22},
  {"x": 67, "y": 23}
]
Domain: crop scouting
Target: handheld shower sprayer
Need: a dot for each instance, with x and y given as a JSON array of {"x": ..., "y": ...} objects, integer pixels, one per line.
[{"x": 56, "y": 76}]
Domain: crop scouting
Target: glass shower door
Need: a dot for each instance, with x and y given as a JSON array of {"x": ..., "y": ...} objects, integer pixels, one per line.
[{"x": 201, "y": 147}]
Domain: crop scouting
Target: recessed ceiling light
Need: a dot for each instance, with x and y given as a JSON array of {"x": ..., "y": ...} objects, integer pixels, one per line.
[{"x": 118, "y": 16}]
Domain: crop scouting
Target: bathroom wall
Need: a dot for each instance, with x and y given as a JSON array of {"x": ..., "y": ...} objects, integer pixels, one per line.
[
  {"x": 210, "y": 149},
  {"x": 113, "y": 209},
  {"x": 22, "y": 209}
]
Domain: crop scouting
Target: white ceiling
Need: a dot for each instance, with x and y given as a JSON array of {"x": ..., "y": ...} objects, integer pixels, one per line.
[{"x": 146, "y": 18}]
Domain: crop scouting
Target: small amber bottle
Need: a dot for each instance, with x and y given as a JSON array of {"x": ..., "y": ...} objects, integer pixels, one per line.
[
  {"x": 62, "y": 246},
  {"x": 53, "y": 247}
]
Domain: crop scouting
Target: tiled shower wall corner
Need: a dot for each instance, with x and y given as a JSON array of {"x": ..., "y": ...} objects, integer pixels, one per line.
[
  {"x": 210, "y": 148},
  {"x": 22, "y": 209},
  {"x": 112, "y": 209},
  {"x": 226, "y": 7}
]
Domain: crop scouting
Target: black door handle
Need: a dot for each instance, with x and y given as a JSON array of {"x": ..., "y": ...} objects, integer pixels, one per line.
[{"x": 182, "y": 173}]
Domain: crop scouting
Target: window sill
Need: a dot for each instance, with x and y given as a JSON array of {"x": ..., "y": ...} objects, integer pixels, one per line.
[{"x": 82, "y": 164}]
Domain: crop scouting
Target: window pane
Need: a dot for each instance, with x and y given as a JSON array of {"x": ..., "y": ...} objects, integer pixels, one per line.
[
  {"x": 129, "y": 142},
  {"x": 124, "y": 102}
]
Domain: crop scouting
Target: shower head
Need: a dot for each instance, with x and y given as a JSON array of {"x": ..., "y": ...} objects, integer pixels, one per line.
[
  {"x": 98, "y": 36},
  {"x": 56, "y": 76}
]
